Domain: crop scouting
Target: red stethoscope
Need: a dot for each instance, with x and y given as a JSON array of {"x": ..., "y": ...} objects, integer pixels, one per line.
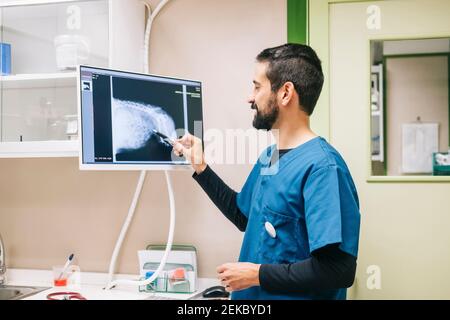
[{"x": 65, "y": 296}]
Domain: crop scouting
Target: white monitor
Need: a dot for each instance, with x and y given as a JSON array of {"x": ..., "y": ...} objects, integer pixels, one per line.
[{"x": 124, "y": 118}]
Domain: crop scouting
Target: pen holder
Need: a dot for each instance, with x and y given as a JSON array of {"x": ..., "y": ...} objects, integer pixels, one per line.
[
  {"x": 179, "y": 274},
  {"x": 70, "y": 278},
  {"x": 173, "y": 281}
]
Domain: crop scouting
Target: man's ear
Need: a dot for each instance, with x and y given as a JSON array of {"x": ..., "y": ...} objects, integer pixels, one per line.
[{"x": 286, "y": 93}]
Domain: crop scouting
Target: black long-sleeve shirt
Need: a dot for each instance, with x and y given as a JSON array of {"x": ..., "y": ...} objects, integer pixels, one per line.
[{"x": 328, "y": 268}]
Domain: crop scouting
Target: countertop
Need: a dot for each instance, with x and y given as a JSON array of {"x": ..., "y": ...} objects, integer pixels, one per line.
[{"x": 92, "y": 285}]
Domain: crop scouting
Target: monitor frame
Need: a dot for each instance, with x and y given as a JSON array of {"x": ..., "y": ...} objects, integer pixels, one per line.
[{"x": 117, "y": 166}]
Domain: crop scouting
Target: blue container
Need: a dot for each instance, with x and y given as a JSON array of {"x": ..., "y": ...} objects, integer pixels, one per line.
[{"x": 5, "y": 62}]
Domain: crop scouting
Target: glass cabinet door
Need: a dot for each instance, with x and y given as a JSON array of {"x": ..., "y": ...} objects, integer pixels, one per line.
[{"x": 41, "y": 45}]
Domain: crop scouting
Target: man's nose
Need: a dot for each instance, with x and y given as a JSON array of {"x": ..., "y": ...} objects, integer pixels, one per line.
[{"x": 251, "y": 99}]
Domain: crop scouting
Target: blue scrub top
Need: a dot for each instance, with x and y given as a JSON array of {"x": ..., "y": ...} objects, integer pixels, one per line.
[{"x": 301, "y": 203}]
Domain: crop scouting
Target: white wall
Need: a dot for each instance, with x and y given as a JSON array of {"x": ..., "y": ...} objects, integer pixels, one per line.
[{"x": 404, "y": 226}]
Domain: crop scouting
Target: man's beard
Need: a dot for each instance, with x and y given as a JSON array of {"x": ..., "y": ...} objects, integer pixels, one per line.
[{"x": 266, "y": 121}]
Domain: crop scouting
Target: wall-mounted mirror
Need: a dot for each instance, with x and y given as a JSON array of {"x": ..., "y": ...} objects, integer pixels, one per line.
[{"x": 410, "y": 107}]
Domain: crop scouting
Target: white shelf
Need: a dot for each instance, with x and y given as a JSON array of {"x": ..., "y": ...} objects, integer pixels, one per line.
[
  {"x": 376, "y": 113},
  {"x": 38, "y": 80},
  {"x": 39, "y": 149},
  {"x": 8, "y": 3},
  {"x": 114, "y": 29}
]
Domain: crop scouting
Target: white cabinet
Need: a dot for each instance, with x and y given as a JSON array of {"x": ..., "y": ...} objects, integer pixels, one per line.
[{"x": 41, "y": 43}]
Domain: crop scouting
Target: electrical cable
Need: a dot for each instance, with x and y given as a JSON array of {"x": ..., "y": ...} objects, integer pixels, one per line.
[
  {"x": 168, "y": 246},
  {"x": 125, "y": 226},
  {"x": 112, "y": 283},
  {"x": 148, "y": 29}
]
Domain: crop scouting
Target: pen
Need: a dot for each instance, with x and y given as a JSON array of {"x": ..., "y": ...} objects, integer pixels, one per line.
[
  {"x": 69, "y": 260},
  {"x": 164, "y": 137}
]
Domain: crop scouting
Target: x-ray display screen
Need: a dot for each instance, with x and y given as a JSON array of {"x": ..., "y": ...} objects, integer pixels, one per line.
[{"x": 132, "y": 119}]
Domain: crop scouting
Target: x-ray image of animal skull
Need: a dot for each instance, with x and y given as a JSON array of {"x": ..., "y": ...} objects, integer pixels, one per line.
[{"x": 133, "y": 137}]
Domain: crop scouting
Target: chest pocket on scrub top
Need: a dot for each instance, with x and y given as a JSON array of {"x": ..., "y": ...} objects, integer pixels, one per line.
[{"x": 278, "y": 237}]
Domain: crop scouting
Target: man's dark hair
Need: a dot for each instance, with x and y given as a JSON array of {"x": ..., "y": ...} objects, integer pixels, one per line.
[{"x": 298, "y": 64}]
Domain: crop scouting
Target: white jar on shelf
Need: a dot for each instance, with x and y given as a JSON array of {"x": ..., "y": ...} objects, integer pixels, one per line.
[{"x": 71, "y": 50}]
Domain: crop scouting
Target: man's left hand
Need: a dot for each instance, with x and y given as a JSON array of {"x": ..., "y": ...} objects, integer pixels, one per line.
[{"x": 238, "y": 275}]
